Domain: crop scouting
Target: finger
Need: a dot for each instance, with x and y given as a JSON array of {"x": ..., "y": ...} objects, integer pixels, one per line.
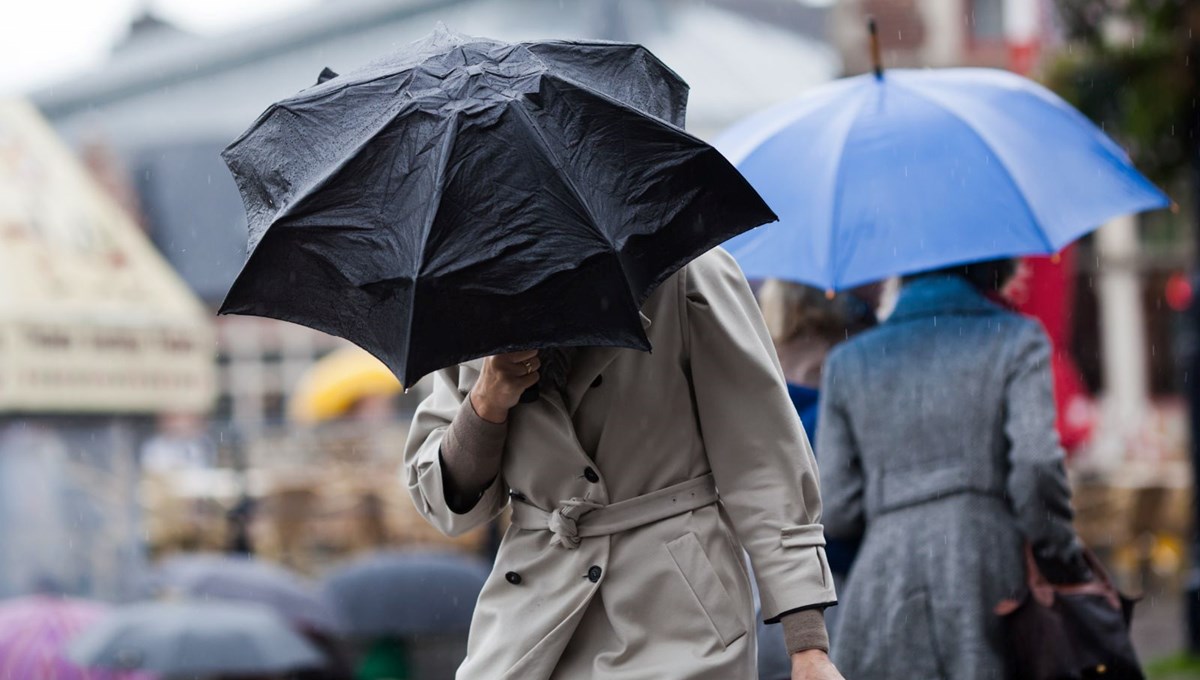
[
  {"x": 518, "y": 357},
  {"x": 527, "y": 381},
  {"x": 521, "y": 368}
]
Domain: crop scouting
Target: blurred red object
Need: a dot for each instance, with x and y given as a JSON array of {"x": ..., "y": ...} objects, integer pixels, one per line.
[
  {"x": 1178, "y": 292},
  {"x": 1044, "y": 289}
]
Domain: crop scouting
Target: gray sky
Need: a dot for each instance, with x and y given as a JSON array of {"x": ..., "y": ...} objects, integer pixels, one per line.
[{"x": 42, "y": 40}]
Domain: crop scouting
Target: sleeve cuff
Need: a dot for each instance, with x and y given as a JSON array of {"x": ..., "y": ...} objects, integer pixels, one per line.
[
  {"x": 470, "y": 438},
  {"x": 469, "y": 432},
  {"x": 804, "y": 630}
]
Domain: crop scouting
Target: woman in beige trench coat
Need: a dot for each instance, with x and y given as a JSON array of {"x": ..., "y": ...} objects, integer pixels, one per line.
[{"x": 634, "y": 489}]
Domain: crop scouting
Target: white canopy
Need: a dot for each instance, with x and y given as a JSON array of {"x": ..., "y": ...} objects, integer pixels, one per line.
[{"x": 92, "y": 319}]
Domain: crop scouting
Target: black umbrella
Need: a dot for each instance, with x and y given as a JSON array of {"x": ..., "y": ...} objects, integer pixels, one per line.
[
  {"x": 397, "y": 594},
  {"x": 465, "y": 196},
  {"x": 195, "y": 640},
  {"x": 225, "y": 577}
]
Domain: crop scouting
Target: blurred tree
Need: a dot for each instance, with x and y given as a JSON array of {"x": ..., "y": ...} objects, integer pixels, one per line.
[
  {"x": 1127, "y": 67},
  {"x": 1133, "y": 66}
]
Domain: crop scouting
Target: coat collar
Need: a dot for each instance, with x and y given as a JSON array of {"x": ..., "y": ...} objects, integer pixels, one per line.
[
  {"x": 941, "y": 296},
  {"x": 588, "y": 363}
]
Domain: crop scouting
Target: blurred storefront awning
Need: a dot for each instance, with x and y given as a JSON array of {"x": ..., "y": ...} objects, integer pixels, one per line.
[{"x": 92, "y": 319}]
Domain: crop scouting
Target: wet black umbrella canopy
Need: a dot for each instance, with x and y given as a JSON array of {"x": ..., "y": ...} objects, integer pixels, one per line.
[{"x": 464, "y": 197}]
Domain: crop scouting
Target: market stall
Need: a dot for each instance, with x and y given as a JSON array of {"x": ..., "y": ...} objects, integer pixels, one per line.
[{"x": 98, "y": 336}]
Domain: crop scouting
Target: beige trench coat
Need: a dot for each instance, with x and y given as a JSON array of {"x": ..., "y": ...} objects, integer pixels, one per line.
[{"x": 667, "y": 599}]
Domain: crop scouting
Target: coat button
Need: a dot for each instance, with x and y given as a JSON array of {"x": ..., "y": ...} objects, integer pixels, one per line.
[
  {"x": 598, "y": 381},
  {"x": 513, "y": 578},
  {"x": 590, "y": 475},
  {"x": 594, "y": 574}
]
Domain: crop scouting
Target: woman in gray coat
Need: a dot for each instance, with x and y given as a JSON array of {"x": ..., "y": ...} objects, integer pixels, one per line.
[{"x": 937, "y": 444}]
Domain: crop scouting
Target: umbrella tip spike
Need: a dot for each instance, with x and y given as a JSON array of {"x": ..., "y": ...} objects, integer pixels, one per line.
[{"x": 876, "y": 59}]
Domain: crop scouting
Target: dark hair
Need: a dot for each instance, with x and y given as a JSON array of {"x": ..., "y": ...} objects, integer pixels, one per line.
[{"x": 987, "y": 276}]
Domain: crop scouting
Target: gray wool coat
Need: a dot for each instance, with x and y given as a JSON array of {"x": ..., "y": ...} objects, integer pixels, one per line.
[{"x": 937, "y": 442}]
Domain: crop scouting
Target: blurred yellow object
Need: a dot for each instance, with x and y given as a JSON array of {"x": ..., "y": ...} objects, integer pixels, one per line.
[{"x": 336, "y": 382}]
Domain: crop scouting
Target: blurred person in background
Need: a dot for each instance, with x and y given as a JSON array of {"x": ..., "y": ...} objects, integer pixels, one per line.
[
  {"x": 622, "y": 562},
  {"x": 805, "y": 323},
  {"x": 385, "y": 659},
  {"x": 938, "y": 445},
  {"x": 181, "y": 442}
]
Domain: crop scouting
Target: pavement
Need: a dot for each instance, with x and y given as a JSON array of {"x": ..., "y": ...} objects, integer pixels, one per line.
[
  {"x": 1158, "y": 626},
  {"x": 1158, "y": 631}
]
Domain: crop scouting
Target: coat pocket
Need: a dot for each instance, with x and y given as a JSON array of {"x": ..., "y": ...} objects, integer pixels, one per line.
[{"x": 698, "y": 572}]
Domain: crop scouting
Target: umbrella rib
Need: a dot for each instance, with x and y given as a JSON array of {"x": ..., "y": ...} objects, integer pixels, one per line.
[
  {"x": 316, "y": 184},
  {"x": 567, "y": 179},
  {"x": 451, "y": 137},
  {"x": 835, "y": 266},
  {"x": 740, "y": 151},
  {"x": 1007, "y": 172}
]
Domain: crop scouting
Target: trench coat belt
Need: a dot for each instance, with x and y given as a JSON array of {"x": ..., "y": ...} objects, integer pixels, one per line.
[{"x": 579, "y": 518}]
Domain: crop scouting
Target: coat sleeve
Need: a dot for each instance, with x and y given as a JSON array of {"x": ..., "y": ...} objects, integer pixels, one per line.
[
  {"x": 1037, "y": 481},
  {"x": 756, "y": 446},
  {"x": 422, "y": 457},
  {"x": 842, "y": 480}
]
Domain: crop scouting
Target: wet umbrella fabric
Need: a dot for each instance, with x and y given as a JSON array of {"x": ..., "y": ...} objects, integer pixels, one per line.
[
  {"x": 924, "y": 169},
  {"x": 465, "y": 196},
  {"x": 247, "y": 579},
  {"x": 396, "y": 594},
  {"x": 34, "y": 633},
  {"x": 201, "y": 639}
]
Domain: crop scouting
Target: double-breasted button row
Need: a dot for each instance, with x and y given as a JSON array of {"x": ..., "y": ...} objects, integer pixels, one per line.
[
  {"x": 593, "y": 574},
  {"x": 590, "y": 475}
]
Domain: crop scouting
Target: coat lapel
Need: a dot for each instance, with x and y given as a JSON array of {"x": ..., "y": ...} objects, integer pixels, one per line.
[{"x": 590, "y": 362}]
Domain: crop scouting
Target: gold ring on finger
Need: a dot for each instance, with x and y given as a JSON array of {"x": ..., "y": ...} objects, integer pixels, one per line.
[{"x": 528, "y": 367}]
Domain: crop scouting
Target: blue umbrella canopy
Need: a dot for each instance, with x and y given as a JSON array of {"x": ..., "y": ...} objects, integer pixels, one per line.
[
  {"x": 195, "y": 639},
  {"x": 395, "y": 593},
  {"x": 917, "y": 170}
]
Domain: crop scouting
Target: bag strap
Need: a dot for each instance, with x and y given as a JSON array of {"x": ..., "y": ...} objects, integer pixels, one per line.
[{"x": 1043, "y": 591}]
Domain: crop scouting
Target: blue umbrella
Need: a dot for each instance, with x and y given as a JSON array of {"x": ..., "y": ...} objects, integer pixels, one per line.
[{"x": 916, "y": 170}]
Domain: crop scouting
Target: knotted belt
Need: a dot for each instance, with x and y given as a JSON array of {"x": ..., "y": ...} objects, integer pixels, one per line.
[{"x": 578, "y": 518}]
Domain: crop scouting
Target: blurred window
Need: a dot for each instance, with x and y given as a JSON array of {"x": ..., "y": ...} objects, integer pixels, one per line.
[
  {"x": 274, "y": 407},
  {"x": 986, "y": 20}
]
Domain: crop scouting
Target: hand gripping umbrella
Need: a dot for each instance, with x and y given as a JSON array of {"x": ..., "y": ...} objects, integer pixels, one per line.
[{"x": 465, "y": 197}]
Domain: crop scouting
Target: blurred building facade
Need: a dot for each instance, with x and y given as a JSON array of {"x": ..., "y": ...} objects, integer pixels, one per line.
[
  {"x": 940, "y": 33},
  {"x": 168, "y": 101},
  {"x": 98, "y": 338}
]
